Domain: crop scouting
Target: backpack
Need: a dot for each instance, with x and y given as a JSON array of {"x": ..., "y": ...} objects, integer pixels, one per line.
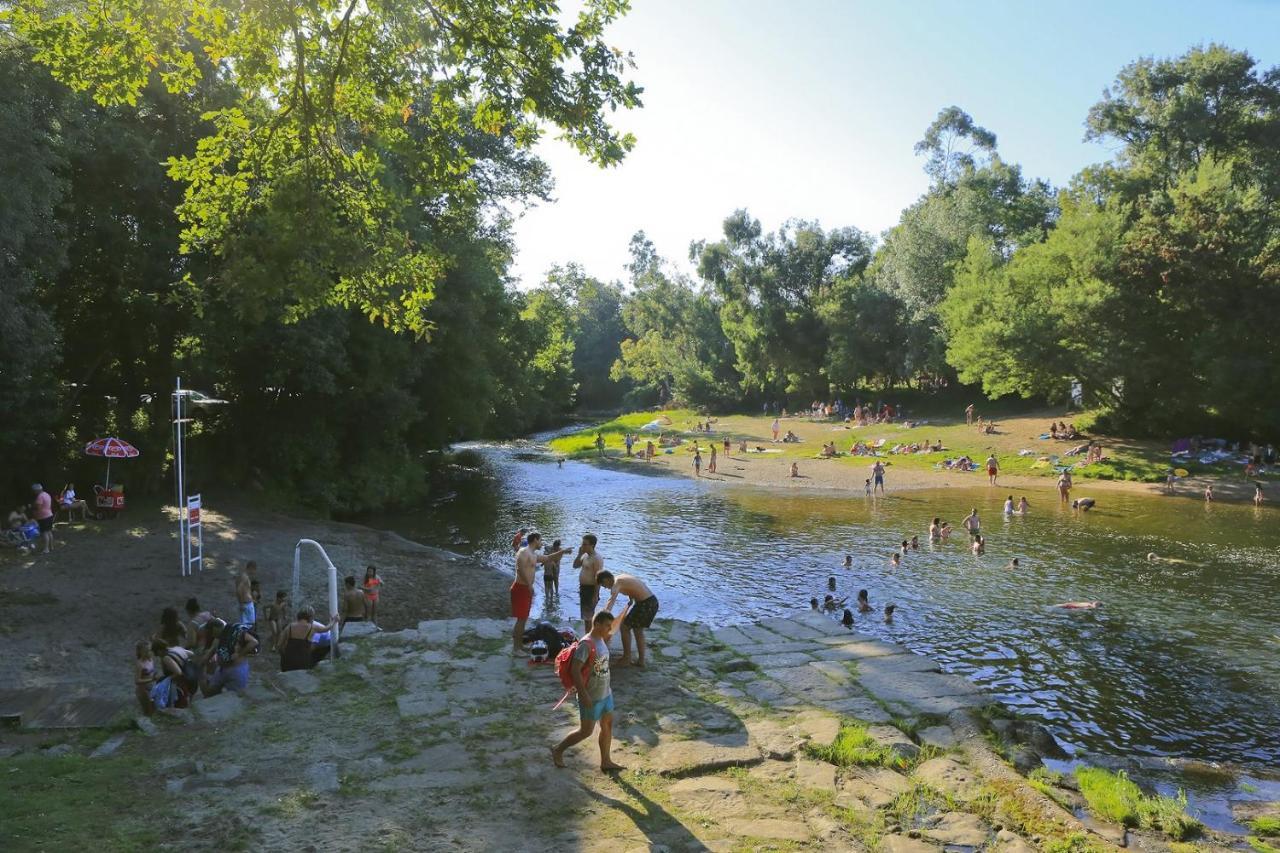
[
  {"x": 546, "y": 633},
  {"x": 564, "y": 667}
]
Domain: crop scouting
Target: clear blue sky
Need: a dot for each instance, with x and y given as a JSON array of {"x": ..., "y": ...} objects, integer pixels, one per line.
[{"x": 807, "y": 109}]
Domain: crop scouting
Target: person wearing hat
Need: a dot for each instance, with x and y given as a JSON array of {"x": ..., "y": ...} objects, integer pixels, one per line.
[{"x": 42, "y": 512}]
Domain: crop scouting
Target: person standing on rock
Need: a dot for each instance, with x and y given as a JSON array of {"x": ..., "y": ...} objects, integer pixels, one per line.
[
  {"x": 527, "y": 560},
  {"x": 589, "y": 563},
  {"x": 643, "y": 608},
  {"x": 590, "y": 670}
]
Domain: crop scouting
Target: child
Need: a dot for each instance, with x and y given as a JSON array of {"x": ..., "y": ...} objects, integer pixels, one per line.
[
  {"x": 888, "y": 612},
  {"x": 848, "y": 561},
  {"x": 905, "y": 546},
  {"x": 144, "y": 675},
  {"x": 255, "y": 592},
  {"x": 979, "y": 546},
  {"x": 831, "y": 583},
  {"x": 867, "y": 486},
  {"x": 864, "y": 605},
  {"x": 813, "y": 604},
  {"x": 595, "y": 696},
  {"x": 1258, "y": 496},
  {"x": 795, "y": 469},
  {"x": 915, "y": 543},
  {"x": 847, "y": 619},
  {"x": 551, "y": 570},
  {"x": 1013, "y": 564},
  {"x": 372, "y": 585},
  {"x": 278, "y": 615},
  {"x": 896, "y": 560}
]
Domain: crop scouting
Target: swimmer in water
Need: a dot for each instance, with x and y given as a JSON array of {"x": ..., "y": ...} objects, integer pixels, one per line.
[
  {"x": 864, "y": 606},
  {"x": 831, "y": 583},
  {"x": 1008, "y": 505},
  {"x": 830, "y": 605},
  {"x": 979, "y": 546},
  {"x": 848, "y": 561},
  {"x": 813, "y": 604},
  {"x": 888, "y": 612},
  {"x": 1078, "y": 605},
  {"x": 1013, "y": 564},
  {"x": 1023, "y": 506},
  {"x": 905, "y": 545},
  {"x": 935, "y": 530},
  {"x": 1156, "y": 558},
  {"x": 1083, "y": 504},
  {"x": 896, "y": 560},
  {"x": 847, "y": 619},
  {"x": 915, "y": 543}
]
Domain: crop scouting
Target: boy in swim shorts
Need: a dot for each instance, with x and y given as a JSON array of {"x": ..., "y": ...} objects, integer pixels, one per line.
[
  {"x": 643, "y": 608},
  {"x": 589, "y": 563},
  {"x": 595, "y": 694}
]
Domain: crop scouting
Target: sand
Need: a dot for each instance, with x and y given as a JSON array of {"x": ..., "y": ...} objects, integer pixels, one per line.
[{"x": 72, "y": 618}]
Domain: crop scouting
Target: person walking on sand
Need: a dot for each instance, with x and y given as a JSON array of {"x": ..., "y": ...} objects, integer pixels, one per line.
[
  {"x": 244, "y": 593},
  {"x": 711, "y": 466},
  {"x": 527, "y": 560},
  {"x": 643, "y": 607},
  {"x": 595, "y": 693},
  {"x": 968, "y": 415},
  {"x": 589, "y": 563},
  {"x": 993, "y": 468},
  {"x": 776, "y": 427},
  {"x": 42, "y": 515},
  {"x": 877, "y": 475},
  {"x": 697, "y": 461},
  {"x": 1064, "y": 486}
]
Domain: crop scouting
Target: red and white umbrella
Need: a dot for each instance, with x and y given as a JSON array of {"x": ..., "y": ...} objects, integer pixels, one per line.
[{"x": 111, "y": 448}]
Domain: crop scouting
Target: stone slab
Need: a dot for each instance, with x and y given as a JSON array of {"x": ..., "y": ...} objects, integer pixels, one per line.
[
  {"x": 422, "y": 704},
  {"x": 694, "y": 757},
  {"x": 774, "y": 739},
  {"x": 757, "y": 634},
  {"x": 429, "y": 779},
  {"x": 297, "y": 681},
  {"x": 716, "y": 796},
  {"x": 322, "y": 777},
  {"x": 869, "y": 788},
  {"x": 780, "y": 647},
  {"x": 108, "y": 746},
  {"x": 356, "y": 630},
  {"x": 860, "y": 707},
  {"x": 835, "y": 670},
  {"x": 858, "y": 650},
  {"x": 218, "y": 709},
  {"x": 894, "y": 739},
  {"x": 904, "y": 844},
  {"x": 893, "y": 664},
  {"x": 779, "y": 661},
  {"x": 822, "y": 624},
  {"x": 815, "y": 774},
  {"x": 941, "y": 737},
  {"x": 731, "y": 636},
  {"x": 820, "y": 729},
  {"x": 960, "y": 829},
  {"x": 948, "y": 776},
  {"x": 909, "y": 686},
  {"x": 770, "y": 829},
  {"x": 792, "y": 629}
]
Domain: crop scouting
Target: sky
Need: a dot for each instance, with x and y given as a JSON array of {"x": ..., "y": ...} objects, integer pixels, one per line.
[{"x": 809, "y": 109}]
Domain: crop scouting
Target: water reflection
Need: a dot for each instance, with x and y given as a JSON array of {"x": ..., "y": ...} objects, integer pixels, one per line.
[{"x": 1181, "y": 658}]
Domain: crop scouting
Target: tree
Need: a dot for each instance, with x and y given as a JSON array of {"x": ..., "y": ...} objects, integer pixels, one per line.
[
  {"x": 953, "y": 144},
  {"x": 330, "y": 178},
  {"x": 595, "y": 313},
  {"x": 770, "y": 288},
  {"x": 867, "y": 331}
]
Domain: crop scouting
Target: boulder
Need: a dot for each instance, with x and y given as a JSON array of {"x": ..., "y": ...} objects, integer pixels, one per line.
[
  {"x": 219, "y": 708},
  {"x": 770, "y": 829},
  {"x": 1009, "y": 842},
  {"x": 895, "y": 740},
  {"x": 960, "y": 829},
  {"x": 108, "y": 747}
]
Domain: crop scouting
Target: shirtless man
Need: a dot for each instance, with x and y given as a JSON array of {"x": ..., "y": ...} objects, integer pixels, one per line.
[
  {"x": 589, "y": 563},
  {"x": 351, "y": 606},
  {"x": 643, "y": 607},
  {"x": 527, "y": 560},
  {"x": 244, "y": 593}
]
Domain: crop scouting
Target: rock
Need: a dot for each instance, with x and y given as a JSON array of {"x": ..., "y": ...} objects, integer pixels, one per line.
[
  {"x": 229, "y": 773},
  {"x": 108, "y": 747},
  {"x": 941, "y": 737},
  {"x": 174, "y": 786},
  {"x": 904, "y": 844},
  {"x": 427, "y": 703},
  {"x": 771, "y": 829},
  {"x": 779, "y": 661},
  {"x": 816, "y": 774},
  {"x": 1008, "y": 842},
  {"x": 834, "y": 670},
  {"x": 219, "y": 708},
  {"x": 870, "y": 788},
  {"x": 443, "y": 756},
  {"x": 1243, "y": 811},
  {"x": 298, "y": 681},
  {"x": 1117, "y": 835},
  {"x": 1041, "y": 740},
  {"x": 354, "y": 630},
  {"x": 773, "y": 739},
  {"x": 895, "y": 740},
  {"x": 821, "y": 729},
  {"x": 739, "y": 665},
  {"x": 489, "y": 629},
  {"x": 428, "y": 779},
  {"x": 949, "y": 777},
  {"x": 145, "y": 726},
  {"x": 693, "y": 757},
  {"x": 322, "y": 777},
  {"x": 1005, "y": 729},
  {"x": 59, "y": 750},
  {"x": 716, "y": 796},
  {"x": 959, "y": 828},
  {"x": 408, "y": 635},
  {"x": 671, "y": 651},
  {"x": 1024, "y": 759}
]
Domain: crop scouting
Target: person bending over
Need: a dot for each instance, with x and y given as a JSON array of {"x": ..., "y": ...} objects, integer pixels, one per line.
[{"x": 644, "y": 607}]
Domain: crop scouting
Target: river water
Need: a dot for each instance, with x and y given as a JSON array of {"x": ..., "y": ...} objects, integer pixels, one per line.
[{"x": 1181, "y": 659}]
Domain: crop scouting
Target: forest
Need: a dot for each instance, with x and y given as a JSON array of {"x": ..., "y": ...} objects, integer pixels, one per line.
[{"x": 321, "y": 236}]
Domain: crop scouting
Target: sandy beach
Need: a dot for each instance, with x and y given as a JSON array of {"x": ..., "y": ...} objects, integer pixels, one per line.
[{"x": 70, "y": 619}]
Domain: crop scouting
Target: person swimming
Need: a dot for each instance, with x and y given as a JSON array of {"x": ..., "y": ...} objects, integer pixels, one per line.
[
  {"x": 915, "y": 543},
  {"x": 813, "y": 604},
  {"x": 1083, "y": 504},
  {"x": 831, "y": 583},
  {"x": 864, "y": 605},
  {"x": 1013, "y": 564},
  {"x": 847, "y": 619},
  {"x": 1078, "y": 605},
  {"x": 848, "y": 561},
  {"x": 1023, "y": 506},
  {"x": 888, "y": 612},
  {"x": 979, "y": 545},
  {"x": 830, "y": 605},
  {"x": 896, "y": 560},
  {"x": 905, "y": 545}
]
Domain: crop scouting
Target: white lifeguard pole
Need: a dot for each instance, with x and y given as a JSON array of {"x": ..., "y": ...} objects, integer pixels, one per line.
[{"x": 333, "y": 583}]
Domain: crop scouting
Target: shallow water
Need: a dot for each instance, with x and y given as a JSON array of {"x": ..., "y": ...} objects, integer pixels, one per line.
[{"x": 1180, "y": 659}]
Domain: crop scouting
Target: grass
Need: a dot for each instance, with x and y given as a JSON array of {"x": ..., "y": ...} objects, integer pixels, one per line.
[
  {"x": 73, "y": 802},
  {"x": 584, "y": 443},
  {"x": 1261, "y": 846},
  {"x": 1114, "y": 797},
  {"x": 1265, "y": 825},
  {"x": 854, "y": 747},
  {"x": 1046, "y": 781}
]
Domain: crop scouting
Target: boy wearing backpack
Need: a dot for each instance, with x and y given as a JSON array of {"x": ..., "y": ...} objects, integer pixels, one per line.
[{"x": 589, "y": 668}]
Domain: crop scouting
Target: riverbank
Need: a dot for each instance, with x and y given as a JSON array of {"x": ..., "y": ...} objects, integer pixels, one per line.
[
  {"x": 69, "y": 620},
  {"x": 788, "y": 734},
  {"x": 1027, "y": 461}
]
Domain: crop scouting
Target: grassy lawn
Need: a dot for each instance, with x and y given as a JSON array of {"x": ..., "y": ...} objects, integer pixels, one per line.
[
  {"x": 1017, "y": 429},
  {"x": 73, "y": 802}
]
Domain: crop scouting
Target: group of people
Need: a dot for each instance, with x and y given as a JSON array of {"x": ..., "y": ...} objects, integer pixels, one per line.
[
  {"x": 30, "y": 527},
  {"x": 832, "y": 606},
  {"x": 589, "y": 659},
  {"x": 206, "y": 654}
]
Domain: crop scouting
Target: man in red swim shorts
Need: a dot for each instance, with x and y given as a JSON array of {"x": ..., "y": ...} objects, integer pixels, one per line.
[{"x": 527, "y": 560}]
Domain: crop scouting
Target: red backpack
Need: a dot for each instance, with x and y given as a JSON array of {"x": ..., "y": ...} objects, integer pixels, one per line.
[{"x": 564, "y": 667}]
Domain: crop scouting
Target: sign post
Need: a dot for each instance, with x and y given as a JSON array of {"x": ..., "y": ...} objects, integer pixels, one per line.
[{"x": 194, "y": 536}]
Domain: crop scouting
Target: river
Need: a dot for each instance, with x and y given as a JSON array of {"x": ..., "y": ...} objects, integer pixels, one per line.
[{"x": 1181, "y": 659}]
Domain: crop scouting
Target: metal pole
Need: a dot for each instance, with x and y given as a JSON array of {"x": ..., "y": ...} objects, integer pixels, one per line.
[{"x": 183, "y": 544}]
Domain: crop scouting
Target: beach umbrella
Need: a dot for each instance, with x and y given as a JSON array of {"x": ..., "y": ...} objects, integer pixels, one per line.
[{"x": 111, "y": 448}]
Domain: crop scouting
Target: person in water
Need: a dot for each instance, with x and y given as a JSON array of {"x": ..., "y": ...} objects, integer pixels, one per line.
[
  {"x": 1078, "y": 605},
  {"x": 864, "y": 605},
  {"x": 1008, "y": 505},
  {"x": 847, "y": 619},
  {"x": 888, "y": 612},
  {"x": 1083, "y": 504},
  {"x": 979, "y": 546},
  {"x": 896, "y": 560},
  {"x": 1023, "y": 506},
  {"x": 1013, "y": 564},
  {"x": 831, "y": 583},
  {"x": 830, "y": 605},
  {"x": 905, "y": 546},
  {"x": 848, "y": 561},
  {"x": 935, "y": 530},
  {"x": 813, "y": 604},
  {"x": 915, "y": 543}
]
